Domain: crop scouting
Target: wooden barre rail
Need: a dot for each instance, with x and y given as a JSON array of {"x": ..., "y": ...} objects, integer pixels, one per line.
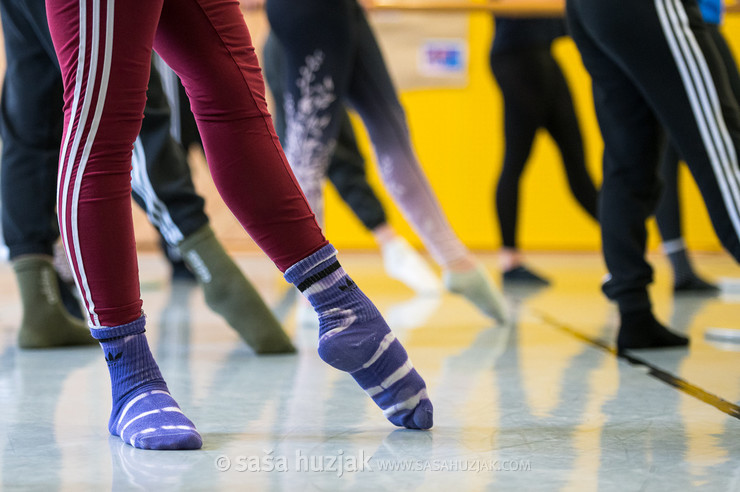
[
  {"x": 534, "y": 8},
  {"x": 508, "y": 7}
]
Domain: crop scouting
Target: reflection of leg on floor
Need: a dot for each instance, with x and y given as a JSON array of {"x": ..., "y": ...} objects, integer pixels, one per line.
[
  {"x": 37, "y": 380},
  {"x": 134, "y": 470}
]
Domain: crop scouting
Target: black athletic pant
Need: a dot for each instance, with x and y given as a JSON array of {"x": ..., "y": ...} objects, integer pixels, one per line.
[
  {"x": 654, "y": 66},
  {"x": 31, "y": 122},
  {"x": 182, "y": 121},
  {"x": 668, "y": 212},
  {"x": 536, "y": 95},
  {"x": 347, "y": 165}
]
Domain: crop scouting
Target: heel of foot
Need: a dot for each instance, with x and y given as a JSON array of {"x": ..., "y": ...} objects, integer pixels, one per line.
[{"x": 350, "y": 349}]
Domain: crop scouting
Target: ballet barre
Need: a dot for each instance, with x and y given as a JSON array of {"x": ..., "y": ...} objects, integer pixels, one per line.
[
  {"x": 544, "y": 8},
  {"x": 508, "y": 7},
  {"x": 529, "y": 8}
]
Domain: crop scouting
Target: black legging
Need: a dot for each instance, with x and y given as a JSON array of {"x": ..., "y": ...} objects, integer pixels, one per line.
[
  {"x": 536, "y": 95},
  {"x": 346, "y": 169}
]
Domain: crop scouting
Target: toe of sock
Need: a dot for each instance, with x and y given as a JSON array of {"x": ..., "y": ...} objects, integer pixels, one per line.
[
  {"x": 420, "y": 417},
  {"x": 477, "y": 287},
  {"x": 423, "y": 417},
  {"x": 180, "y": 439},
  {"x": 150, "y": 418}
]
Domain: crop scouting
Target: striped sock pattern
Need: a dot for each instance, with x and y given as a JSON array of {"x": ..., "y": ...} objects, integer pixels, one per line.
[
  {"x": 144, "y": 413},
  {"x": 354, "y": 337}
]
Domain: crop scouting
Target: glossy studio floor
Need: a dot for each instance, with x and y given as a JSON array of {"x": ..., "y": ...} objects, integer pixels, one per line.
[{"x": 543, "y": 404}]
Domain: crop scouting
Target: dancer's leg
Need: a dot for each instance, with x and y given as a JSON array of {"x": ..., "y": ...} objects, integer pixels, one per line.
[
  {"x": 372, "y": 94},
  {"x": 207, "y": 44},
  {"x": 521, "y": 79},
  {"x": 31, "y": 125},
  {"x": 104, "y": 51}
]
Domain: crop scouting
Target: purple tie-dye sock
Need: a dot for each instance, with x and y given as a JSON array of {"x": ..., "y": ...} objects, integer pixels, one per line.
[{"x": 354, "y": 337}]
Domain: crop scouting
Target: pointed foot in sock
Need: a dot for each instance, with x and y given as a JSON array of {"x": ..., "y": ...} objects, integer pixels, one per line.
[
  {"x": 230, "y": 294},
  {"x": 244, "y": 310},
  {"x": 58, "y": 331},
  {"x": 354, "y": 338},
  {"x": 151, "y": 419},
  {"x": 368, "y": 350},
  {"x": 521, "y": 275},
  {"x": 695, "y": 285},
  {"x": 643, "y": 331},
  {"x": 477, "y": 287},
  {"x": 404, "y": 264}
]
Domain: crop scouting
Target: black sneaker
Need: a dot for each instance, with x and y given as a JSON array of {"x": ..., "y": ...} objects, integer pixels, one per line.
[
  {"x": 695, "y": 285},
  {"x": 181, "y": 272},
  {"x": 523, "y": 276}
]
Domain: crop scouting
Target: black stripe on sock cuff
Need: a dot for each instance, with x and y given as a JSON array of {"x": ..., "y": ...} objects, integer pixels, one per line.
[{"x": 318, "y": 276}]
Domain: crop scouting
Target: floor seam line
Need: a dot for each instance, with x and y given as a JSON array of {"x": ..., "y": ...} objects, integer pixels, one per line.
[{"x": 665, "y": 377}]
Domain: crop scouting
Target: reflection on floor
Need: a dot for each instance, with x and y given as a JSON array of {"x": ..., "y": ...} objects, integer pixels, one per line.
[{"x": 530, "y": 406}]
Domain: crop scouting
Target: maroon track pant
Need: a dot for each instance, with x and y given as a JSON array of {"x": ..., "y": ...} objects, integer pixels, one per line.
[{"x": 104, "y": 49}]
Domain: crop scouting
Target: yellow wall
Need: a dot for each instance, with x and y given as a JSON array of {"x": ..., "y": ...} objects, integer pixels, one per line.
[{"x": 458, "y": 138}]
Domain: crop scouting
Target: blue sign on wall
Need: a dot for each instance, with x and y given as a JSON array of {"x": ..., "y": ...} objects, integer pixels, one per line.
[{"x": 443, "y": 57}]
